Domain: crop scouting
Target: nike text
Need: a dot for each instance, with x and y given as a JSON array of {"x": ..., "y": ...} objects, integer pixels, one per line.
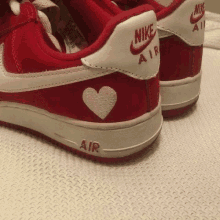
[
  {"x": 143, "y": 33},
  {"x": 199, "y": 9},
  {"x": 198, "y": 13}
]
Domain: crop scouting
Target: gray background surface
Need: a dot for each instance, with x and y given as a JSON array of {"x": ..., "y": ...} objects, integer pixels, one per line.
[{"x": 213, "y": 5}]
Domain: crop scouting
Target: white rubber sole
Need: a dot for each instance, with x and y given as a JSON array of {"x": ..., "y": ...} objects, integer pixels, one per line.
[
  {"x": 180, "y": 93},
  {"x": 107, "y": 140}
]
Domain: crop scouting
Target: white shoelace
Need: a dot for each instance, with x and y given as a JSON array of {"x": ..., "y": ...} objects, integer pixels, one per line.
[{"x": 15, "y": 7}]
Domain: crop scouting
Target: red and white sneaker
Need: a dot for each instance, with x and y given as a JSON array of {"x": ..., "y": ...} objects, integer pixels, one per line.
[
  {"x": 99, "y": 102},
  {"x": 181, "y": 31}
]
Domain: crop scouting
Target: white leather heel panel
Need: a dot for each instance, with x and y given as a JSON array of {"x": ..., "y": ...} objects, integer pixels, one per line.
[
  {"x": 117, "y": 55},
  {"x": 182, "y": 22}
]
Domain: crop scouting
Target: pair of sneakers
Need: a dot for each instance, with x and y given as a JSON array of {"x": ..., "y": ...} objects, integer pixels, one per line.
[{"x": 103, "y": 100}]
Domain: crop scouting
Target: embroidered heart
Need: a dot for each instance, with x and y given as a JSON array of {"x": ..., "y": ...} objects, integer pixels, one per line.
[{"x": 100, "y": 103}]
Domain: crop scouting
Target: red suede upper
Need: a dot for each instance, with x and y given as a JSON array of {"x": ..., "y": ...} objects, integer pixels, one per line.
[
  {"x": 89, "y": 16},
  {"x": 166, "y": 11},
  {"x": 10, "y": 21},
  {"x": 178, "y": 59},
  {"x": 27, "y": 49},
  {"x": 134, "y": 98},
  {"x": 23, "y": 54}
]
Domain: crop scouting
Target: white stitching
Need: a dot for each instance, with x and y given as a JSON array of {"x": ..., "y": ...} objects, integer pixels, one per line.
[
  {"x": 18, "y": 76},
  {"x": 122, "y": 71},
  {"x": 174, "y": 32},
  {"x": 92, "y": 76}
]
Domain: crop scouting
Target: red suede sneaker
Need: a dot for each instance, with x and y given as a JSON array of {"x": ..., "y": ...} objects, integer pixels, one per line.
[
  {"x": 100, "y": 102},
  {"x": 181, "y": 31}
]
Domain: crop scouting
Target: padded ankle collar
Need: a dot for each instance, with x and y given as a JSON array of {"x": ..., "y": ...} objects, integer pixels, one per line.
[{"x": 11, "y": 22}]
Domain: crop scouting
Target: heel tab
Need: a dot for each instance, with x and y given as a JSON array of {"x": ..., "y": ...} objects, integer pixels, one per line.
[
  {"x": 187, "y": 21},
  {"x": 133, "y": 46}
]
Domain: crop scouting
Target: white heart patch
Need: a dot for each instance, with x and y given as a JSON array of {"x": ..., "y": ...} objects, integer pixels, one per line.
[{"x": 100, "y": 103}]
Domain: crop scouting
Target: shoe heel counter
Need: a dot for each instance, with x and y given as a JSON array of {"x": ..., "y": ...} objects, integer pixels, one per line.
[
  {"x": 129, "y": 90},
  {"x": 153, "y": 93},
  {"x": 132, "y": 48},
  {"x": 132, "y": 51},
  {"x": 121, "y": 97},
  {"x": 181, "y": 39},
  {"x": 178, "y": 59}
]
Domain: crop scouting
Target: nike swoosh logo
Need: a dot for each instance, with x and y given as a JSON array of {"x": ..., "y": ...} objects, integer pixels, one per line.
[
  {"x": 12, "y": 83},
  {"x": 136, "y": 51},
  {"x": 194, "y": 20}
]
